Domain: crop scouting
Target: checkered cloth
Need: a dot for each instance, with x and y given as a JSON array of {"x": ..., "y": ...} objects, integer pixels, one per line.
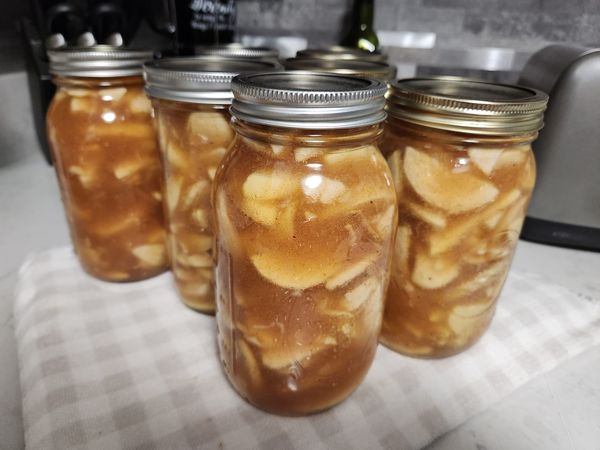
[{"x": 128, "y": 366}]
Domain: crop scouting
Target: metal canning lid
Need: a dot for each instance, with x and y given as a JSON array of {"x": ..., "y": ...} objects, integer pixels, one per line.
[
  {"x": 369, "y": 69},
  {"x": 237, "y": 51},
  {"x": 198, "y": 79},
  {"x": 337, "y": 52},
  {"x": 98, "y": 61},
  {"x": 308, "y": 100},
  {"x": 471, "y": 106}
]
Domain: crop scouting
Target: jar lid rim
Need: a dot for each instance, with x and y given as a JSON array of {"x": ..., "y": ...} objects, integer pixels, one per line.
[
  {"x": 379, "y": 70},
  {"x": 236, "y": 50},
  {"x": 308, "y": 100},
  {"x": 462, "y": 104},
  {"x": 338, "y": 52},
  {"x": 97, "y": 61},
  {"x": 199, "y": 79}
]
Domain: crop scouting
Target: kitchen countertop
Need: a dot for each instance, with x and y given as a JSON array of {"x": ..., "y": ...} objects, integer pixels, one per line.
[{"x": 558, "y": 410}]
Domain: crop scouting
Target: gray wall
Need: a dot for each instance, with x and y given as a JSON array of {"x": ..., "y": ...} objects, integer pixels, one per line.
[
  {"x": 320, "y": 21},
  {"x": 521, "y": 24},
  {"x": 501, "y": 23}
]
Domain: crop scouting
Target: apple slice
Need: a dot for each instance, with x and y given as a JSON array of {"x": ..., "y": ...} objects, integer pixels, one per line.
[
  {"x": 210, "y": 127},
  {"x": 443, "y": 240},
  {"x": 112, "y": 94},
  {"x": 173, "y": 192},
  {"x": 160, "y": 124},
  {"x": 111, "y": 226},
  {"x": 193, "y": 242},
  {"x": 193, "y": 192},
  {"x": 453, "y": 192},
  {"x": 264, "y": 185},
  {"x": 228, "y": 234},
  {"x": 323, "y": 189},
  {"x": 360, "y": 295},
  {"x": 428, "y": 215},
  {"x": 217, "y": 153},
  {"x": 140, "y": 104},
  {"x": 177, "y": 157},
  {"x": 200, "y": 218},
  {"x": 433, "y": 273},
  {"x": 394, "y": 160},
  {"x": 211, "y": 171},
  {"x": 293, "y": 272},
  {"x": 512, "y": 219},
  {"x": 421, "y": 350},
  {"x": 74, "y": 92},
  {"x": 494, "y": 273},
  {"x": 250, "y": 362},
  {"x": 85, "y": 175},
  {"x": 151, "y": 255},
  {"x": 528, "y": 177},
  {"x": 200, "y": 260},
  {"x": 350, "y": 272},
  {"x": 271, "y": 214},
  {"x": 356, "y": 198},
  {"x": 281, "y": 357},
  {"x": 302, "y": 154},
  {"x": 82, "y": 105},
  {"x": 466, "y": 319},
  {"x": 402, "y": 248},
  {"x": 512, "y": 158},
  {"x": 264, "y": 213},
  {"x": 277, "y": 149},
  {"x": 383, "y": 223},
  {"x": 372, "y": 315},
  {"x": 127, "y": 168},
  {"x": 485, "y": 158},
  {"x": 194, "y": 289}
]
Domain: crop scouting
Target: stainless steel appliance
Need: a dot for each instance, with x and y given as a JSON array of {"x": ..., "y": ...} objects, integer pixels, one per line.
[{"x": 565, "y": 208}]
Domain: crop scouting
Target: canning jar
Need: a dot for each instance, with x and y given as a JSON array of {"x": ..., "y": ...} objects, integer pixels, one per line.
[
  {"x": 191, "y": 97},
  {"x": 106, "y": 158},
  {"x": 460, "y": 154},
  {"x": 305, "y": 210}
]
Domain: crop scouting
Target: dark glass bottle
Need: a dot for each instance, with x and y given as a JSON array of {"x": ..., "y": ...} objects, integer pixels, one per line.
[
  {"x": 361, "y": 34},
  {"x": 204, "y": 22}
]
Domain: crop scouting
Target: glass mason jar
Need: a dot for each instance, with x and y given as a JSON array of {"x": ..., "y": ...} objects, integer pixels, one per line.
[
  {"x": 460, "y": 154},
  {"x": 305, "y": 211},
  {"x": 191, "y": 97},
  {"x": 107, "y": 162}
]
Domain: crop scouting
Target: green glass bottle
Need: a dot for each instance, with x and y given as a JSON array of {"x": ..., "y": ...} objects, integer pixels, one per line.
[{"x": 361, "y": 34}]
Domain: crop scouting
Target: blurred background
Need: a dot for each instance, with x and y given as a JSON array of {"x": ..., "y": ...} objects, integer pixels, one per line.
[{"x": 411, "y": 31}]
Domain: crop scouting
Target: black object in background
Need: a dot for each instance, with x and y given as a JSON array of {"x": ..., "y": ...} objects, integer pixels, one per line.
[
  {"x": 199, "y": 22},
  {"x": 41, "y": 89},
  {"x": 70, "y": 19},
  {"x": 115, "y": 16}
]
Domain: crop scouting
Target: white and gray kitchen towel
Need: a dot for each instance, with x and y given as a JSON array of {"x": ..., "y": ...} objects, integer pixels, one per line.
[{"x": 128, "y": 366}]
